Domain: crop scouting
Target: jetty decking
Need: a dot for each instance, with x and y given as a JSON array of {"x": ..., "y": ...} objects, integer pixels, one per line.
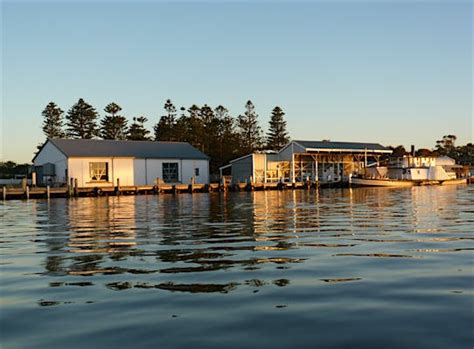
[{"x": 72, "y": 191}]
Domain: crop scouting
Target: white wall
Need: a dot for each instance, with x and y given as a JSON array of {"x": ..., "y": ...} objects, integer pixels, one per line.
[
  {"x": 148, "y": 170},
  {"x": 118, "y": 168},
  {"x": 417, "y": 173},
  {"x": 51, "y": 154},
  {"x": 188, "y": 171}
]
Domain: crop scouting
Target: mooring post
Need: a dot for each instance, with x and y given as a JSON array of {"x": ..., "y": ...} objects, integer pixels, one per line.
[
  {"x": 4, "y": 192},
  {"x": 118, "y": 187},
  {"x": 76, "y": 190},
  {"x": 48, "y": 191},
  {"x": 70, "y": 187},
  {"x": 27, "y": 192}
]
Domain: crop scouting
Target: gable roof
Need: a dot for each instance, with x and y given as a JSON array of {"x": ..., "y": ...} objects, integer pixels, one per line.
[
  {"x": 342, "y": 146},
  {"x": 136, "y": 149}
]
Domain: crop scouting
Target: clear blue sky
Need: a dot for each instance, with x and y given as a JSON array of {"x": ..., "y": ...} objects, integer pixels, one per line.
[{"x": 394, "y": 73}]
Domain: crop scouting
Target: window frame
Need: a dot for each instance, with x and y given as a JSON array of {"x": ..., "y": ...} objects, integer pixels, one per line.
[
  {"x": 95, "y": 163},
  {"x": 166, "y": 167}
]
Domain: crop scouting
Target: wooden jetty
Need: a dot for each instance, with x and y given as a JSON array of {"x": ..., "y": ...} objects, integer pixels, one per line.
[{"x": 73, "y": 190}]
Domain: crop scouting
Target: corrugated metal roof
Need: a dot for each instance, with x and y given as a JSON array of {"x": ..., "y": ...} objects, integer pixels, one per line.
[
  {"x": 341, "y": 145},
  {"x": 136, "y": 149}
]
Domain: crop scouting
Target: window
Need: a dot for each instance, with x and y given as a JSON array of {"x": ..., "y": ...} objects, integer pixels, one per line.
[
  {"x": 170, "y": 172},
  {"x": 99, "y": 171},
  {"x": 196, "y": 171}
]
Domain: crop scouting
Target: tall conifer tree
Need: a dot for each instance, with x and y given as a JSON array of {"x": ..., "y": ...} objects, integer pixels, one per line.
[
  {"x": 53, "y": 121},
  {"x": 113, "y": 126},
  {"x": 250, "y": 131},
  {"x": 164, "y": 129},
  {"x": 137, "y": 130},
  {"x": 277, "y": 136},
  {"x": 82, "y": 121}
]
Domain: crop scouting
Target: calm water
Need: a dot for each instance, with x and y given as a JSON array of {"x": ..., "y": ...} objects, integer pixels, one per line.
[{"x": 360, "y": 268}]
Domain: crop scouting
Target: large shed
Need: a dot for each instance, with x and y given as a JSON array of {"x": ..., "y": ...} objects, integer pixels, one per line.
[
  {"x": 300, "y": 161},
  {"x": 97, "y": 163}
]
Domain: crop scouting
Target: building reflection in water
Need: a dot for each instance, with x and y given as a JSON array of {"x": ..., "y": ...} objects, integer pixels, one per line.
[{"x": 174, "y": 237}]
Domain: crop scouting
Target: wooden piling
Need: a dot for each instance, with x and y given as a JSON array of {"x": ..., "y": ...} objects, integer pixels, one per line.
[
  {"x": 4, "y": 192},
  {"x": 27, "y": 192},
  {"x": 48, "y": 192},
  {"x": 76, "y": 190},
  {"x": 70, "y": 187},
  {"x": 117, "y": 190}
]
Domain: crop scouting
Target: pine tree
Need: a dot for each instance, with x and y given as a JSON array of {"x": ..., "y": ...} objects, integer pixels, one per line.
[
  {"x": 164, "y": 129},
  {"x": 226, "y": 137},
  {"x": 180, "y": 129},
  {"x": 113, "y": 126},
  {"x": 53, "y": 121},
  {"x": 82, "y": 121},
  {"x": 137, "y": 130},
  {"x": 194, "y": 127},
  {"x": 210, "y": 125},
  {"x": 250, "y": 131},
  {"x": 277, "y": 136}
]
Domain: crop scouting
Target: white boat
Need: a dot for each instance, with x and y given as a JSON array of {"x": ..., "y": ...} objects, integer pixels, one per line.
[
  {"x": 409, "y": 171},
  {"x": 386, "y": 182}
]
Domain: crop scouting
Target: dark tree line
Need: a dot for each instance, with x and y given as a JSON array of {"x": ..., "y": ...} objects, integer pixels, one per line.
[{"x": 214, "y": 131}]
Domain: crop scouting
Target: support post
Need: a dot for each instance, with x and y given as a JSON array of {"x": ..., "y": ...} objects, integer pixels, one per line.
[
  {"x": 316, "y": 170},
  {"x": 71, "y": 187},
  {"x": 293, "y": 168},
  {"x": 4, "y": 192},
  {"x": 27, "y": 192},
  {"x": 76, "y": 191},
  {"x": 48, "y": 193},
  {"x": 118, "y": 186},
  {"x": 33, "y": 179}
]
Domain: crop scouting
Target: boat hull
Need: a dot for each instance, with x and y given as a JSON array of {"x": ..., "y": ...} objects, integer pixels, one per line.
[{"x": 367, "y": 182}]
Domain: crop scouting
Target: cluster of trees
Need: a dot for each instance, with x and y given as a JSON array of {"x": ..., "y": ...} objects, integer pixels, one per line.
[
  {"x": 463, "y": 154},
  {"x": 212, "y": 130},
  {"x": 10, "y": 169}
]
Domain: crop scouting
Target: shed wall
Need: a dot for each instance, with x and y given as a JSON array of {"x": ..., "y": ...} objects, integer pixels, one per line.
[
  {"x": 148, "y": 170},
  {"x": 121, "y": 168},
  {"x": 51, "y": 154},
  {"x": 242, "y": 170}
]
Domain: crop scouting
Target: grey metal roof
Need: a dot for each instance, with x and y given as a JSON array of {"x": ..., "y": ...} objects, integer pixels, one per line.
[
  {"x": 342, "y": 145},
  {"x": 136, "y": 149}
]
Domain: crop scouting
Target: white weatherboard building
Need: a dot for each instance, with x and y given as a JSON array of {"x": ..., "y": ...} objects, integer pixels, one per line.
[{"x": 98, "y": 163}]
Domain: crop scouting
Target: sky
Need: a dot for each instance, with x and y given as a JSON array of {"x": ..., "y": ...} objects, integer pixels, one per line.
[{"x": 372, "y": 71}]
